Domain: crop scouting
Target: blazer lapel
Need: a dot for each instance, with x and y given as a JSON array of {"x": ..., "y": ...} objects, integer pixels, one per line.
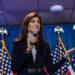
[{"x": 38, "y": 56}]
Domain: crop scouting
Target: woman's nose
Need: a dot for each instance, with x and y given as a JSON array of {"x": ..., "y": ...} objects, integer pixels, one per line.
[{"x": 36, "y": 23}]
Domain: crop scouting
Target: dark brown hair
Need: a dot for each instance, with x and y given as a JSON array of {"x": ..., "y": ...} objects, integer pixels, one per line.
[{"x": 24, "y": 30}]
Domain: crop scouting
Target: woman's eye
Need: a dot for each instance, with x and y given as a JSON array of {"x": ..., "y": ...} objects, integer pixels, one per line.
[
  {"x": 38, "y": 22},
  {"x": 32, "y": 21}
]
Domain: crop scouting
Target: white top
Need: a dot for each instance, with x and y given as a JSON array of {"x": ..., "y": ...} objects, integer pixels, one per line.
[{"x": 34, "y": 53}]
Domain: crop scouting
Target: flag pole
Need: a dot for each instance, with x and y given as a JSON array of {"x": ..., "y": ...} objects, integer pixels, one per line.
[
  {"x": 64, "y": 48},
  {"x": 3, "y": 42},
  {"x": 60, "y": 56},
  {"x": 58, "y": 30},
  {"x": 2, "y": 58},
  {"x": 2, "y": 31},
  {"x": 60, "y": 48}
]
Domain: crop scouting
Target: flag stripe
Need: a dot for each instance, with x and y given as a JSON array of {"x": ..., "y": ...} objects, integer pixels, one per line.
[{"x": 71, "y": 70}]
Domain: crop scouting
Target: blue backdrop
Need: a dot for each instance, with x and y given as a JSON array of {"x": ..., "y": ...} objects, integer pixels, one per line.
[{"x": 68, "y": 37}]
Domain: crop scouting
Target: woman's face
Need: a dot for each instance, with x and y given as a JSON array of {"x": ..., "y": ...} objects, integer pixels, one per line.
[{"x": 34, "y": 24}]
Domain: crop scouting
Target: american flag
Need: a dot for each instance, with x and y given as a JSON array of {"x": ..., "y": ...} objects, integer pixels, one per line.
[
  {"x": 56, "y": 57},
  {"x": 6, "y": 63},
  {"x": 71, "y": 67},
  {"x": 73, "y": 62}
]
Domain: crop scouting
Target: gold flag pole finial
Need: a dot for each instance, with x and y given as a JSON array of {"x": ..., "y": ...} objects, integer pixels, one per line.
[
  {"x": 3, "y": 31},
  {"x": 58, "y": 30}
]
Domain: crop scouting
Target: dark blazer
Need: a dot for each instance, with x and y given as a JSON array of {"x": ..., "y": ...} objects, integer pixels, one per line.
[{"x": 21, "y": 60}]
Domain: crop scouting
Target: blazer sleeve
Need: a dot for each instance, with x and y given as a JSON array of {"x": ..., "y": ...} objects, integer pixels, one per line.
[
  {"x": 51, "y": 68},
  {"x": 18, "y": 61}
]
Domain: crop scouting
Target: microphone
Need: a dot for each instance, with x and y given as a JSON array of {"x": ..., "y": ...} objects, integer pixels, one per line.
[{"x": 35, "y": 33}]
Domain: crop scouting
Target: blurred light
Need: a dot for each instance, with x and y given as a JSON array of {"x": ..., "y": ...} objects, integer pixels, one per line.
[
  {"x": 56, "y": 8},
  {"x": 74, "y": 27}
]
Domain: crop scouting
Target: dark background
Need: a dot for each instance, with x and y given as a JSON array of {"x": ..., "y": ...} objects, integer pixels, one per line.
[{"x": 12, "y": 12}]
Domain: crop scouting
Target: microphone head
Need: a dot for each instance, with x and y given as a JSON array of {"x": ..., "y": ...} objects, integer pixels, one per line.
[{"x": 35, "y": 33}]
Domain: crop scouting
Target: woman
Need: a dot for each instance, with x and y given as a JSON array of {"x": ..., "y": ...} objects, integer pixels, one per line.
[{"x": 30, "y": 52}]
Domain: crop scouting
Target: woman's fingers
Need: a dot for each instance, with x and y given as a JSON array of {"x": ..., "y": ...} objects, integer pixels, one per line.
[
  {"x": 68, "y": 52},
  {"x": 29, "y": 46},
  {"x": 71, "y": 50}
]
